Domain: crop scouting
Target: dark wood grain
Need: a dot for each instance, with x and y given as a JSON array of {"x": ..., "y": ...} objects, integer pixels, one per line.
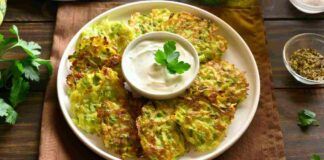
[
  {"x": 301, "y": 145},
  {"x": 21, "y": 140},
  {"x": 30, "y": 10},
  {"x": 278, "y": 32},
  {"x": 283, "y": 9},
  {"x": 41, "y": 10}
]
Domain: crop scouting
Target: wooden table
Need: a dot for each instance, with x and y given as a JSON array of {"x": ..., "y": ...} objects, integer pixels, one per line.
[{"x": 282, "y": 21}]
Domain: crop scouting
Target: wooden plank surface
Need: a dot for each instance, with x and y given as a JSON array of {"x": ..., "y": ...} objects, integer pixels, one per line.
[
  {"x": 301, "y": 145},
  {"x": 283, "y": 9},
  {"x": 29, "y": 10},
  {"x": 278, "y": 32},
  {"x": 21, "y": 140},
  {"x": 36, "y": 10},
  {"x": 282, "y": 21}
]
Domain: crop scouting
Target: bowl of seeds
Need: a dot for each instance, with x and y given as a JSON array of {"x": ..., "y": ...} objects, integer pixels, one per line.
[{"x": 303, "y": 56}]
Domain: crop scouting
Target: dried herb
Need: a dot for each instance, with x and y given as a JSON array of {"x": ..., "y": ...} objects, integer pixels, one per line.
[{"x": 308, "y": 63}]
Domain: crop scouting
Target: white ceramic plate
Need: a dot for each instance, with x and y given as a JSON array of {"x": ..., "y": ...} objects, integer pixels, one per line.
[{"x": 238, "y": 53}]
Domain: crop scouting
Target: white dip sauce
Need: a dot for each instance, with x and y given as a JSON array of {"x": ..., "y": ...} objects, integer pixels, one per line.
[{"x": 153, "y": 77}]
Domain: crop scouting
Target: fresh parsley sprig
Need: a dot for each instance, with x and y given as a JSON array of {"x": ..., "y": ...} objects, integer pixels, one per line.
[
  {"x": 315, "y": 157},
  {"x": 8, "y": 112},
  {"x": 169, "y": 57},
  {"x": 306, "y": 118},
  {"x": 17, "y": 75}
]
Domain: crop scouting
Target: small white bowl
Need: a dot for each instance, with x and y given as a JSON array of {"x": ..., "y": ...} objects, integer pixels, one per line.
[
  {"x": 305, "y": 40},
  {"x": 306, "y": 8},
  {"x": 164, "y": 36}
]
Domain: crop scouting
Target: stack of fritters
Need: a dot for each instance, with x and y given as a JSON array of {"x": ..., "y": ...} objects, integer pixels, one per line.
[{"x": 163, "y": 130}]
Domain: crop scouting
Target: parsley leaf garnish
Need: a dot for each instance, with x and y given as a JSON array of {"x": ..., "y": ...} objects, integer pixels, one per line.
[
  {"x": 160, "y": 57},
  {"x": 18, "y": 91},
  {"x": 315, "y": 157},
  {"x": 7, "y": 111},
  {"x": 17, "y": 75},
  {"x": 306, "y": 118},
  {"x": 169, "y": 58},
  {"x": 31, "y": 48}
]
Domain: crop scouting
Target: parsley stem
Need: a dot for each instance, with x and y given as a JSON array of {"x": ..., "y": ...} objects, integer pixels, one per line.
[
  {"x": 6, "y": 49},
  {"x": 7, "y": 60}
]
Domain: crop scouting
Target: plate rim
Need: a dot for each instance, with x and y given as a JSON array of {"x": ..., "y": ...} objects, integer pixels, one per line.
[{"x": 106, "y": 155}]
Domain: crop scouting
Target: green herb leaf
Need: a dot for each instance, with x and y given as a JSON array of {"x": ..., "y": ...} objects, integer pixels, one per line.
[
  {"x": 31, "y": 74},
  {"x": 35, "y": 64},
  {"x": 306, "y": 118},
  {"x": 160, "y": 57},
  {"x": 170, "y": 58},
  {"x": 17, "y": 68},
  {"x": 8, "y": 112},
  {"x": 171, "y": 70},
  {"x": 315, "y": 157},
  {"x": 6, "y": 43},
  {"x": 47, "y": 63},
  {"x": 179, "y": 67},
  {"x": 14, "y": 30},
  {"x": 169, "y": 47},
  {"x": 31, "y": 48},
  {"x": 19, "y": 72},
  {"x": 3, "y": 108},
  {"x": 12, "y": 116},
  {"x": 173, "y": 57},
  {"x": 19, "y": 91}
]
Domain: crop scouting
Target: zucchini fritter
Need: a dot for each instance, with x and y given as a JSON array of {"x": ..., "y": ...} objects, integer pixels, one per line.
[
  {"x": 221, "y": 83},
  {"x": 119, "y": 131},
  {"x": 210, "y": 104},
  {"x": 88, "y": 94},
  {"x": 202, "y": 124},
  {"x": 202, "y": 33},
  {"x": 160, "y": 136},
  {"x": 144, "y": 23},
  {"x": 98, "y": 105},
  {"x": 100, "y": 45},
  {"x": 118, "y": 34}
]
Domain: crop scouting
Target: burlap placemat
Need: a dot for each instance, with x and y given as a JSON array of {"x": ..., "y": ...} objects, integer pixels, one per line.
[{"x": 262, "y": 140}]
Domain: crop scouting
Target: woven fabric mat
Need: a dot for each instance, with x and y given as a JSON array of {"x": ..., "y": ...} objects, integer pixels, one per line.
[{"x": 262, "y": 140}]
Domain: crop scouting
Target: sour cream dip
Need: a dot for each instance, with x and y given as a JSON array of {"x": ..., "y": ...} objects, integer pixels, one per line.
[{"x": 151, "y": 79}]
